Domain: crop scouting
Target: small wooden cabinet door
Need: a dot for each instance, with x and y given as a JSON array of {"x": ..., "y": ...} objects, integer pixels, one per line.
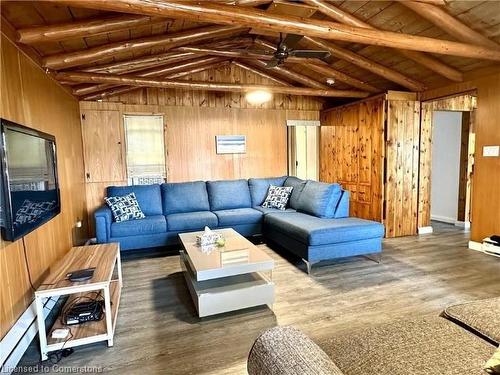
[{"x": 103, "y": 146}]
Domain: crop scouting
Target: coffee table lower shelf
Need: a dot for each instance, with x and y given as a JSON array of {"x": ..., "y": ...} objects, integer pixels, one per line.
[{"x": 226, "y": 294}]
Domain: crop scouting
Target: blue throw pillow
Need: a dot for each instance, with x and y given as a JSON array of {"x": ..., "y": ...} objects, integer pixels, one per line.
[
  {"x": 277, "y": 197},
  {"x": 319, "y": 199},
  {"x": 125, "y": 207}
]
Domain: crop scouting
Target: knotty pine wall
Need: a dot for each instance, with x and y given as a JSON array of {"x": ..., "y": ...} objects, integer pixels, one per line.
[
  {"x": 485, "y": 218},
  {"x": 192, "y": 120},
  {"x": 31, "y": 98}
]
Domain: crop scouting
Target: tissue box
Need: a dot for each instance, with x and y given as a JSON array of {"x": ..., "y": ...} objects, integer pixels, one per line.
[{"x": 207, "y": 238}]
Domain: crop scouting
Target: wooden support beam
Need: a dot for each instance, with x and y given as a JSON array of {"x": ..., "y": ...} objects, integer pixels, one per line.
[
  {"x": 260, "y": 73},
  {"x": 255, "y": 18},
  {"x": 140, "y": 63},
  {"x": 153, "y": 72},
  {"x": 133, "y": 80},
  {"x": 81, "y": 29},
  {"x": 446, "y": 22},
  {"x": 429, "y": 62},
  {"x": 365, "y": 63},
  {"x": 118, "y": 90},
  {"x": 289, "y": 74},
  {"x": 71, "y": 59},
  {"x": 319, "y": 66}
]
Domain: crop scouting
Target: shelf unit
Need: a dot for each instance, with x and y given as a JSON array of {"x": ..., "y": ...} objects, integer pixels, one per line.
[{"x": 106, "y": 259}]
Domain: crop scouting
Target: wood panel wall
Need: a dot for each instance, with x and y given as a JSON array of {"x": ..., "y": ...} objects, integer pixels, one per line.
[
  {"x": 31, "y": 98},
  {"x": 402, "y": 165},
  {"x": 190, "y": 135},
  {"x": 464, "y": 102},
  {"x": 371, "y": 147},
  {"x": 486, "y": 179},
  {"x": 352, "y": 154}
]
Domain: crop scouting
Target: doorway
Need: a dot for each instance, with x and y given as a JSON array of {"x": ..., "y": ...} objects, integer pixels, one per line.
[
  {"x": 451, "y": 159},
  {"x": 303, "y": 151}
]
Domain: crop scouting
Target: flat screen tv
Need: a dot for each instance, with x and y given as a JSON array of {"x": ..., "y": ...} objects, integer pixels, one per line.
[{"x": 30, "y": 190}]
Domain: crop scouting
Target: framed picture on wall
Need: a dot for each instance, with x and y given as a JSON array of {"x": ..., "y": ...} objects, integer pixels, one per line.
[{"x": 231, "y": 144}]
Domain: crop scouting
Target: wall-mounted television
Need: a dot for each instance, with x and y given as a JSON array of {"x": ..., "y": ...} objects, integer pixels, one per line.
[{"x": 30, "y": 189}]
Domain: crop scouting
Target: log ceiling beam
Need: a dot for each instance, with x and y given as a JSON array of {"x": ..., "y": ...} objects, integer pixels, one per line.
[
  {"x": 153, "y": 72},
  {"x": 82, "y": 29},
  {"x": 255, "y": 18},
  {"x": 118, "y": 90},
  {"x": 141, "y": 63},
  {"x": 291, "y": 75},
  {"x": 367, "y": 64},
  {"x": 429, "y": 62},
  {"x": 71, "y": 59},
  {"x": 133, "y": 80},
  {"x": 260, "y": 73},
  {"x": 449, "y": 24}
]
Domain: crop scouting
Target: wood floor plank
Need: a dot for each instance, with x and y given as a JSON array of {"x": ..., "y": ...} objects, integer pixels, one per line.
[{"x": 158, "y": 331}]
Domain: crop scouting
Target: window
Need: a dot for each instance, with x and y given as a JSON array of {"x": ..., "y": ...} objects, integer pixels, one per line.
[{"x": 145, "y": 143}]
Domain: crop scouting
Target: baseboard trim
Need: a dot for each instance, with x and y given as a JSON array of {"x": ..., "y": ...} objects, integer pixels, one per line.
[
  {"x": 425, "y": 230},
  {"x": 19, "y": 337},
  {"x": 443, "y": 219}
]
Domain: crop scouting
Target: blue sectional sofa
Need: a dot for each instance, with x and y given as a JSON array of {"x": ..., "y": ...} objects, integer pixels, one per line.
[{"x": 316, "y": 226}]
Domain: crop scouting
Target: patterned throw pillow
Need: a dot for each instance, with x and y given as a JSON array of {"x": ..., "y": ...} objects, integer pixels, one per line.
[
  {"x": 493, "y": 365},
  {"x": 125, "y": 208},
  {"x": 29, "y": 212},
  {"x": 277, "y": 197}
]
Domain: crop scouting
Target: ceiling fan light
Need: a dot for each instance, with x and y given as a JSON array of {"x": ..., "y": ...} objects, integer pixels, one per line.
[
  {"x": 330, "y": 81},
  {"x": 258, "y": 96}
]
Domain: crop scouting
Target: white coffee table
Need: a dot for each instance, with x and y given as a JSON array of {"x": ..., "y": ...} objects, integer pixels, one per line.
[{"x": 233, "y": 277}]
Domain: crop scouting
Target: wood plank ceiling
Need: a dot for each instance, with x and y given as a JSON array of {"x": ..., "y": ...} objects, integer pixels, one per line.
[{"x": 86, "y": 46}]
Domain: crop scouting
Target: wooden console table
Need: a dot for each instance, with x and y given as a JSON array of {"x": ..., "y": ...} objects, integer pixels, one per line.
[{"x": 107, "y": 280}]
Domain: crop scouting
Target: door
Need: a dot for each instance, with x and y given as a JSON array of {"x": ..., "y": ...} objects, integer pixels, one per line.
[
  {"x": 303, "y": 151},
  {"x": 102, "y": 142}
]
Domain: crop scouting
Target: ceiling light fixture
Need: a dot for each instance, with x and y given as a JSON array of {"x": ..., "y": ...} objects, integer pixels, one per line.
[
  {"x": 330, "y": 81},
  {"x": 258, "y": 96}
]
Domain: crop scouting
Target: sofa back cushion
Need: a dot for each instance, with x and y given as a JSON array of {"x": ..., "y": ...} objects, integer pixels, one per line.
[
  {"x": 148, "y": 196},
  {"x": 319, "y": 199},
  {"x": 298, "y": 185},
  {"x": 260, "y": 186},
  {"x": 225, "y": 195},
  {"x": 184, "y": 197}
]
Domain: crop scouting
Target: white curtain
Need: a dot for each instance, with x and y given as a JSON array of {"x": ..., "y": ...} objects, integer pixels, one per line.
[{"x": 145, "y": 146}]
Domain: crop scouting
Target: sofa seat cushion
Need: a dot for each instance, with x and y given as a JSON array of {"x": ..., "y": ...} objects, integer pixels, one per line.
[
  {"x": 185, "y": 221},
  {"x": 149, "y": 225},
  {"x": 238, "y": 216},
  {"x": 184, "y": 197},
  {"x": 148, "y": 196},
  {"x": 229, "y": 194},
  {"x": 313, "y": 230},
  {"x": 266, "y": 210},
  {"x": 421, "y": 346},
  {"x": 481, "y": 316},
  {"x": 260, "y": 186},
  {"x": 319, "y": 199}
]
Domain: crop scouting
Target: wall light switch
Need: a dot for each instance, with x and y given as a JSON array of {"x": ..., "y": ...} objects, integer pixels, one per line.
[{"x": 491, "y": 151}]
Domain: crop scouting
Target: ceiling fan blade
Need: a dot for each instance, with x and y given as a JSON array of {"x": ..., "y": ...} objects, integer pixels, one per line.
[
  {"x": 272, "y": 63},
  {"x": 253, "y": 51},
  {"x": 291, "y": 40},
  {"x": 310, "y": 54}
]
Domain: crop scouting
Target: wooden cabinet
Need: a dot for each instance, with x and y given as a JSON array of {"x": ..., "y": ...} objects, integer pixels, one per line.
[
  {"x": 102, "y": 144},
  {"x": 371, "y": 147}
]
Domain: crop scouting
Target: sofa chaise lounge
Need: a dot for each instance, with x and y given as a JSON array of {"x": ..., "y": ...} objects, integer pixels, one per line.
[
  {"x": 460, "y": 341},
  {"x": 316, "y": 226}
]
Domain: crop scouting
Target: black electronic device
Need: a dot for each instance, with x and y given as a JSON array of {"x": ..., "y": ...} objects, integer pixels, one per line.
[
  {"x": 83, "y": 312},
  {"x": 81, "y": 275},
  {"x": 29, "y": 190}
]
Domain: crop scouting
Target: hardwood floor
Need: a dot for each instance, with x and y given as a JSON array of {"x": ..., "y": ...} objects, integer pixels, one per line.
[{"x": 158, "y": 333}]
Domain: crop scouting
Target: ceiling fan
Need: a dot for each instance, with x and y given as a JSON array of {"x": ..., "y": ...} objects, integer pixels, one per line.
[{"x": 285, "y": 49}]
